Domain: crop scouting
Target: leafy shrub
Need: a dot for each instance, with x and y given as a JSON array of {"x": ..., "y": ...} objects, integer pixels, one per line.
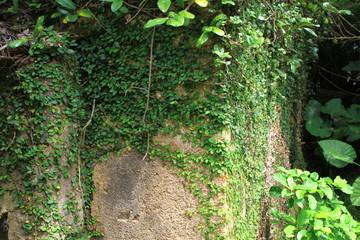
[{"x": 314, "y": 209}]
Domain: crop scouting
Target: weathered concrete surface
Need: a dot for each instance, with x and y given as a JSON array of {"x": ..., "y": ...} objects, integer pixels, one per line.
[{"x": 142, "y": 200}]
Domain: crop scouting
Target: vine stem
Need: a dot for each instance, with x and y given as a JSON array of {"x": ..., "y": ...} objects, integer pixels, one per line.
[{"x": 148, "y": 90}]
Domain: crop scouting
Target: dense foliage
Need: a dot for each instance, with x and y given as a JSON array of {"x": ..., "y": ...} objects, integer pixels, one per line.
[{"x": 105, "y": 84}]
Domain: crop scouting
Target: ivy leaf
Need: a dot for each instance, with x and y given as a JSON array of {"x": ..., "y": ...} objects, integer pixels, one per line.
[
  {"x": 155, "y": 22},
  {"x": 164, "y": 5},
  {"x": 281, "y": 178},
  {"x": 202, "y": 3},
  {"x": 71, "y": 17},
  {"x": 67, "y": 4},
  {"x": 338, "y": 153},
  {"x": 39, "y": 26},
  {"x": 116, "y": 5},
  {"x": 355, "y": 196},
  {"x": 85, "y": 13},
  {"x": 218, "y": 19},
  {"x": 18, "y": 43}
]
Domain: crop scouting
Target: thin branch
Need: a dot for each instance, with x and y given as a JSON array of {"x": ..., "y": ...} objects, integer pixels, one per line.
[
  {"x": 140, "y": 9},
  {"x": 91, "y": 116},
  {"x": 341, "y": 89},
  {"x": 148, "y": 90},
  {"x": 338, "y": 75}
]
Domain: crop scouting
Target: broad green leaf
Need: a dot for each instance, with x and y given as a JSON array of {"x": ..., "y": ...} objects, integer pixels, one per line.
[
  {"x": 55, "y": 15},
  {"x": 202, "y": 39},
  {"x": 289, "y": 231},
  {"x": 312, "y": 109},
  {"x": 334, "y": 107},
  {"x": 67, "y": 4},
  {"x": 281, "y": 178},
  {"x": 155, "y": 22},
  {"x": 329, "y": 7},
  {"x": 164, "y": 5},
  {"x": 275, "y": 191},
  {"x": 353, "y": 112},
  {"x": 301, "y": 234},
  {"x": 342, "y": 185},
  {"x": 318, "y": 224},
  {"x": 290, "y": 181},
  {"x": 176, "y": 21},
  {"x": 309, "y": 30},
  {"x": 18, "y": 43},
  {"x": 85, "y": 13},
  {"x": 116, "y": 5},
  {"x": 202, "y": 3},
  {"x": 329, "y": 193},
  {"x": 355, "y": 196},
  {"x": 254, "y": 41},
  {"x": 187, "y": 14},
  {"x": 64, "y": 11},
  {"x": 312, "y": 202},
  {"x": 300, "y": 194},
  {"x": 304, "y": 216},
  {"x": 318, "y": 128},
  {"x": 352, "y": 66},
  {"x": 338, "y": 153}
]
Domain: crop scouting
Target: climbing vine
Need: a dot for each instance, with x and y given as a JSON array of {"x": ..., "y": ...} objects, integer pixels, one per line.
[{"x": 82, "y": 96}]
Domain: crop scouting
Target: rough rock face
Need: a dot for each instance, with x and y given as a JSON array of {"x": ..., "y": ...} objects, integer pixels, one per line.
[{"x": 142, "y": 200}]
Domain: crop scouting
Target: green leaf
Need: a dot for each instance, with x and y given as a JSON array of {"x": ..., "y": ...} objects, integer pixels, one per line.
[
  {"x": 155, "y": 22},
  {"x": 329, "y": 193},
  {"x": 187, "y": 14},
  {"x": 71, "y": 17},
  {"x": 39, "y": 26},
  {"x": 304, "y": 216},
  {"x": 338, "y": 153},
  {"x": 352, "y": 66},
  {"x": 353, "y": 112},
  {"x": 116, "y": 5},
  {"x": 176, "y": 21},
  {"x": 312, "y": 109},
  {"x": 218, "y": 31},
  {"x": 345, "y": 12},
  {"x": 355, "y": 196},
  {"x": 164, "y": 5},
  {"x": 202, "y": 3},
  {"x": 312, "y": 202},
  {"x": 227, "y": 2},
  {"x": 289, "y": 231},
  {"x": 202, "y": 39},
  {"x": 18, "y": 43},
  {"x": 342, "y": 185},
  {"x": 311, "y": 32},
  {"x": 318, "y": 128},
  {"x": 67, "y": 4},
  {"x": 334, "y": 107},
  {"x": 304, "y": 24},
  {"x": 275, "y": 191},
  {"x": 218, "y": 19},
  {"x": 281, "y": 178},
  {"x": 85, "y": 13},
  {"x": 301, "y": 234}
]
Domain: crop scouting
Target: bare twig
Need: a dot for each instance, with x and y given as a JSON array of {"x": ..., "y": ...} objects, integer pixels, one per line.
[
  {"x": 140, "y": 9},
  {"x": 148, "y": 90},
  {"x": 338, "y": 75},
  {"x": 341, "y": 89}
]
